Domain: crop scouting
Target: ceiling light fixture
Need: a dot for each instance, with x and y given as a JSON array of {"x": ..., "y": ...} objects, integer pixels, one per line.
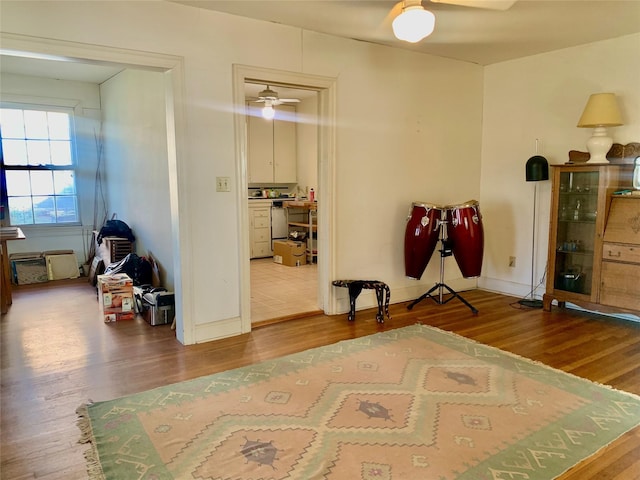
[
  {"x": 268, "y": 112},
  {"x": 414, "y": 23}
]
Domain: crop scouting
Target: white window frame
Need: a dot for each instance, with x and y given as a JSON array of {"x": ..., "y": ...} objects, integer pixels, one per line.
[{"x": 51, "y": 105}]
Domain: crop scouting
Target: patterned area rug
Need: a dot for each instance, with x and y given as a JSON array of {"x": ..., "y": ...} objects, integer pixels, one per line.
[{"x": 412, "y": 403}]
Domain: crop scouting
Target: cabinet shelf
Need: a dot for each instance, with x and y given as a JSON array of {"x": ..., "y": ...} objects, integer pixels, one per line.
[
  {"x": 303, "y": 225},
  {"x": 306, "y": 211},
  {"x": 593, "y": 193},
  {"x": 588, "y": 253},
  {"x": 591, "y": 222}
]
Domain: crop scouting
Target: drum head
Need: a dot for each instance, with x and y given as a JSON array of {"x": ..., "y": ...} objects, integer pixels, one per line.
[
  {"x": 428, "y": 206},
  {"x": 467, "y": 204}
]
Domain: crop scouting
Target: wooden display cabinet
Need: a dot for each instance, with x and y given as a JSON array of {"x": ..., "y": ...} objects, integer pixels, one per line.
[
  {"x": 620, "y": 274},
  {"x": 581, "y": 198}
]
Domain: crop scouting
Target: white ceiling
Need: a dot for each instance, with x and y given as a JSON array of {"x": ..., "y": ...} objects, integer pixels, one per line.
[
  {"x": 470, "y": 34},
  {"x": 60, "y": 70},
  {"x": 474, "y": 35}
]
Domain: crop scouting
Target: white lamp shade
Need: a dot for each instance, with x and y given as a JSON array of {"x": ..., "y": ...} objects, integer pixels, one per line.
[
  {"x": 413, "y": 24},
  {"x": 268, "y": 112},
  {"x": 601, "y": 111}
]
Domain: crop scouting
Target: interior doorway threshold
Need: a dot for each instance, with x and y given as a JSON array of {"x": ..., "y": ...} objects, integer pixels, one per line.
[{"x": 285, "y": 318}]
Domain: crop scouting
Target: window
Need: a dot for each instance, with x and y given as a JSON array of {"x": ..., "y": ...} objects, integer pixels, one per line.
[{"x": 38, "y": 184}]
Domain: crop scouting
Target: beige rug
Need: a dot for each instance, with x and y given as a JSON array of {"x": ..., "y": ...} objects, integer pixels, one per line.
[{"x": 412, "y": 403}]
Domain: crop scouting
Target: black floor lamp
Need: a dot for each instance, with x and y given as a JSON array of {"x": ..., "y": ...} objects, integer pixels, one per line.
[{"x": 537, "y": 170}]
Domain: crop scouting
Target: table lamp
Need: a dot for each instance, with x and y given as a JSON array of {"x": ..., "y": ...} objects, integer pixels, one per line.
[{"x": 600, "y": 112}]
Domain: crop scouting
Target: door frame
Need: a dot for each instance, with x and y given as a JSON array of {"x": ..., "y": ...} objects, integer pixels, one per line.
[
  {"x": 172, "y": 67},
  {"x": 326, "y": 88}
]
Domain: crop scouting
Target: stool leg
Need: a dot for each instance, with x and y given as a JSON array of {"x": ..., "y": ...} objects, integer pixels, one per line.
[
  {"x": 380, "y": 315},
  {"x": 354, "y": 290}
]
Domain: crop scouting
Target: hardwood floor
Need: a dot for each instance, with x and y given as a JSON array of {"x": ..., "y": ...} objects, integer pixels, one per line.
[{"x": 57, "y": 354}]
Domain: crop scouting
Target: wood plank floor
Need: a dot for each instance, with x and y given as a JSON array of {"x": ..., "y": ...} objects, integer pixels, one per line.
[{"x": 56, "y": 354}]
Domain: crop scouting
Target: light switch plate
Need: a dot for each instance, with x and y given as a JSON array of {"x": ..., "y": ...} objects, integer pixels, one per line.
[{"x": 223, "y": 184}]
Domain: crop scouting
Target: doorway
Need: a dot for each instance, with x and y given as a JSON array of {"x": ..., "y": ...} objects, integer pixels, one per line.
[
  {"x": 324, "y": 88},
  {"x": 77, "y": 56},
  {"x": 282, "y": 160}
]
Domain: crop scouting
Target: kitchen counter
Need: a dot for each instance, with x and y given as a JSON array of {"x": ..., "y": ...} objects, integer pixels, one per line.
[
  {"x": 271, "y": 199},
  {"x": 302, "y": 204}
]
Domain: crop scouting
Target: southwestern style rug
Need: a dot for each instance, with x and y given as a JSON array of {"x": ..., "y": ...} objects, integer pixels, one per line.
[{"x": 412, "y": 403}]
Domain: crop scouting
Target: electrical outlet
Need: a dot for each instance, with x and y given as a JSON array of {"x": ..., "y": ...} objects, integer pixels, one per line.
[
  {"x": 223, "y": 184},
  {"x": 512, "y": 262}
]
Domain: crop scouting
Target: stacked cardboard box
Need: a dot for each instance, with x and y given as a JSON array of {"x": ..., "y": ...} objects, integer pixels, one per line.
[{"x": 115, "y": 296}]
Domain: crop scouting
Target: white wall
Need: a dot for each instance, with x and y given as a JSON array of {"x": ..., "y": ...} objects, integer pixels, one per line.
[
  {"x": 135, "y": 160},
  {"x": 84, "y": 98},
  {"x": 409, "y": 130},
  {"x": 419, "y": 140},
  {"x": 542, "y": 97}
]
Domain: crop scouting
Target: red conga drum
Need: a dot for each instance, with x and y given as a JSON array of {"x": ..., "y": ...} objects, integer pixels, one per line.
[
  {"x": 420, "y": 237},
  {"x": 466, "y": 236}
]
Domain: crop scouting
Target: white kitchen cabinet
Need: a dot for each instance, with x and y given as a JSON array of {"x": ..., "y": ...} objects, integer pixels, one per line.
[
  {"x": 260, "y": 229},
  {"x": 271, "y": 146}
]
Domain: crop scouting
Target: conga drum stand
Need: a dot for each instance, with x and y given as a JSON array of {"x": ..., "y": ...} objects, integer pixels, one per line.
[{"x": 445, "y": 251}]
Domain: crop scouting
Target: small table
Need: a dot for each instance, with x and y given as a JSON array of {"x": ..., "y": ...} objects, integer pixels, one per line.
[
  {"x": 356, "y": 286},
  {"x": 6, "y": 234}
]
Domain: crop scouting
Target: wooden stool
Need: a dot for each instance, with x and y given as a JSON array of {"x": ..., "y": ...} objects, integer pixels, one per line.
[{"x": 356, "y": 286}]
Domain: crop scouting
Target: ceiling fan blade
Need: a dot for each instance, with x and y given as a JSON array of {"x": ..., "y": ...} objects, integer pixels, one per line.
[
  {"x": 385, "y": 25},
  {"x": 488, "y": 4},
  {"x": 289, "y": 100}
]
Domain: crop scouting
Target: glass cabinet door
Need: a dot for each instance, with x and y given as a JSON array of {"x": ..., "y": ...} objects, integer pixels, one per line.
[{"x": 577, "y": 205}]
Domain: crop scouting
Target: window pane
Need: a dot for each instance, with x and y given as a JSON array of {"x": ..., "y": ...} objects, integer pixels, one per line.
[
  {"x": 44, "y": 210},
  {"x": 34, "y": 139},
  {"x": 42, "y": 183},
  {"x": 60, "y": 152},
  {"x": 66, "y": 209},
  {"x": 20, "y": 212},
  {"x": 64, "y": 182},
  {"x": 58, "y": 126},
  {"x": 38, "y": 152},
  {"x": 35, "y": 124},
  {"x": 15, "y": 152},
  {"x": 12, "y": 123},
  {"x": 18, "y": 184}
]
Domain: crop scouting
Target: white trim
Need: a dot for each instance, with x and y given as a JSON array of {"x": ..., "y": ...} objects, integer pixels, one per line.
[
  {"x": 44, "y": 102},
  {"x": 206, "y": 332},
  {"x": 326, "y": 86}
]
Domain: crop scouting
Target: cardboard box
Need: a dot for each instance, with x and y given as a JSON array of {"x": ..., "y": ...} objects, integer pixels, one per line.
[
  {"x": 114, "y": 283},
  {"x": 118, "y": 316},
  {"x": 290, "y": 253},
  {"x": 28, "y": 268},
  {"x": 115, "y": 296}
]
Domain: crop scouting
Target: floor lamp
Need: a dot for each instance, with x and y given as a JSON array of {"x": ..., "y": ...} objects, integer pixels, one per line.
[{"x": 537, "y": 170}]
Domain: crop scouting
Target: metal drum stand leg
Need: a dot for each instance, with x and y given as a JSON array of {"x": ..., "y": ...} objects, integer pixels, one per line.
[{"x": 445, "y": 251}]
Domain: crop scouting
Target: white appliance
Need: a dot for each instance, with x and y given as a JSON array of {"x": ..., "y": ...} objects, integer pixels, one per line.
[{"x": 279, "y": 228}]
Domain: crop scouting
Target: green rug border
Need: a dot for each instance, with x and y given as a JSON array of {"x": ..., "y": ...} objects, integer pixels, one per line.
[{"x": 230, "y": 379}]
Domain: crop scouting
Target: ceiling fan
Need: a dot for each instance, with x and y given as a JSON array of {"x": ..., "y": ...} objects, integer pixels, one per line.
[
  {"x": 270, "y": 97},
  {"x": 412, "y": 23}
]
